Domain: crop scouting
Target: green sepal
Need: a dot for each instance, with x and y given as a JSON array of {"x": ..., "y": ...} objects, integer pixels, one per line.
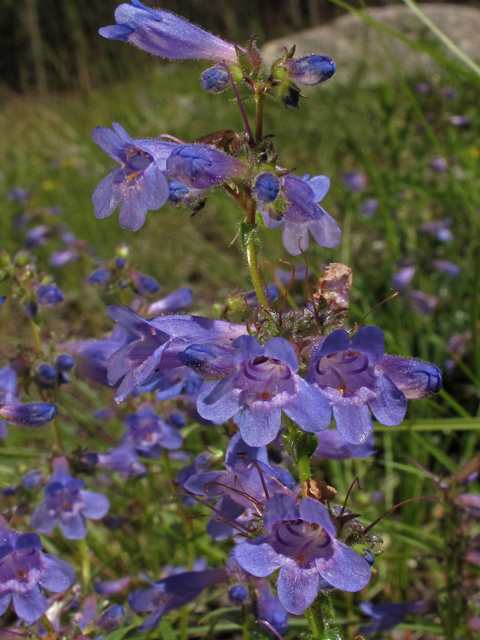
[
  {"x": 244, "y": 62},
  {"x": 306, "y": 443},
  {"x": 288, "y": 442}
]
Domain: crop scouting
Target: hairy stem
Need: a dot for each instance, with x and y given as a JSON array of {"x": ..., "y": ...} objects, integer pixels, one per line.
[
  {"x": 254, "y": 273},
  {"x": 320, "y": 617},
  {"x": 58, "y": 449},
  {"x": 260, "y": 100}
]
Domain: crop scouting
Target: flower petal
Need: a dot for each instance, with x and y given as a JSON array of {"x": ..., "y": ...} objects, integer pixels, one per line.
[
  {"x": 353, "y": 419},
  {"x": 390, "y": 404},
  {"x": 257, "y": 557},
  {"x": 297, "y": 588}
]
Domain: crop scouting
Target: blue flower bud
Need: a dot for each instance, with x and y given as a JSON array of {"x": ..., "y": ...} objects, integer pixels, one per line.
[
  {"x": 266, "y": 187},
  {"x": 310, "y": 70},
  {"x": 145, "y": 285},
  {"x": 214, "y": 80},
  {"x": 101, "y": 276},
  {"x": 10, "y": 491},
  {"x": 120, "y": 263},
  {"x": 111, "y": 618},
  {"x": 64, "y": 362},
  {"x": 33, "y": 414},
  {"x": 2, "y": 300},
  {"x": 238, "y": 594},
  {"x": 48, "y": 295},
  {"x": 32, "y": 479},
  {"x": 31, "y": 309},
  {"x": 178, "y": 192},
  {"x": 176, "y": 419},
  {"x": 47, "y": 373}
]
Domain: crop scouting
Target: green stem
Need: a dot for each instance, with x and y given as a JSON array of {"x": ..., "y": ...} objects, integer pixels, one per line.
[
  {"x": 36, "y": 337},
  {"x": 253, "y": 268},
  {"x": 260, "y": 100},
  {"x": 304, "y": 470},
  {"x": 320, "y": 617},
  {"x": 58, "y": 449},
  {"x": 86, "y": 566},
  {"x": 46, "y": 623}
]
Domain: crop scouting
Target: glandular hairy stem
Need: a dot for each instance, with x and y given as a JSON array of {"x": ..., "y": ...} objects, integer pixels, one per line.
[{"x": 321, "y": 619}]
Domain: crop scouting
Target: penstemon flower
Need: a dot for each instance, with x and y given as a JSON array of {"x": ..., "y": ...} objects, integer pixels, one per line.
[{"x": 302, "y": 543}]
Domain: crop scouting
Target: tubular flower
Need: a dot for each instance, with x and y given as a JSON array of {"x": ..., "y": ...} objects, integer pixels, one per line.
[
  {"x": 68, "y": 504},
  {"x": 147, "y": 434},
  {"x": 357, "y": 378},
  {"x": 200, "y": 167},
  {"x": 310, "y": 70},
  {"x": 303, "y": 214},
  {"x": 302, "y": 543},
  {"x": 172, "y": 593},
  {"x": 159, "y": 343},
  {"x": 24, "y": 570},
  {"x": 264, "y": 383},
  {"x": 138, "y": 184},
  {"x": 257, "y": 481},
  {"x": 165, "y": 34}
]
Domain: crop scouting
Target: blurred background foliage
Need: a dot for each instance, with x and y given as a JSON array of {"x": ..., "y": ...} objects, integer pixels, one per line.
[{"x": 53, "y": 44}]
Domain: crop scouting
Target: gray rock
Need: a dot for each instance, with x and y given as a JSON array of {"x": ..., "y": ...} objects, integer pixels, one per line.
[{"x": 358, "y": 48}]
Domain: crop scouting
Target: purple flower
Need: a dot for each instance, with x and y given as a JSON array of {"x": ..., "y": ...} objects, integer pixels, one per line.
[
  {"x": 32, "y": 479},
  {"x": 110, "y": 619},
  {"x": 302, "y": 543},
  {"x": 422, "y": 302},
  {"x": 388, "y": 615},
  {"x": 423, "y": 87},
  {"x": 68, "y": 504},
  {"x": 100, "y": 276},
  {"x": 310, "y": 70},
  {"x": 402, "y": 278},
  {"x": 2, "y": 300},
  {"x": 139, "y": 184},
  {"x": 175, "y": 301},
  {"x": 332, "y": 446},
  {"x": 304, "y": 215},
  {"x": 439, "y": 229},
  {"x": 447, "y": 267},
  {"x": 215, "y": 80},
  {"x": 91, "y": 356},
  {"x": 460, "y": 121},
  {"x": 201, "y": 167},
  {"x": 61, "y": 258},
  {"x": 439, "y": 165},
  {"x": 172, "y": 593},
  {"x": 48, "y": 295},
  {"x": 32, "y": 414},
  {"x": 267, "y": 607},
  {"x": 37, "y": 236},
  {"x": 19, "y": 195},
  {"x": 355, "y": 181},
  {"x": 258, "y": 481},
  {"x": 264, "y": 383},
  {"x": 123, "y": 460},
  {"x": 24, "y": 570},
  {"x": 159, "y": 343},
  {"x": 165, "y": 34},
  {"x": 369, "y": 207},
  {"x": 112, "y": 587},
  {"x": 415, "y": 378},
  {"x": 349, "y": 377},
  {"x": 147, "y": 434}
]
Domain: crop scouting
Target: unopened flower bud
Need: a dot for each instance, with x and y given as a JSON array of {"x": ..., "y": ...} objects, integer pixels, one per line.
[
  {"x": 310, "y": 70},
  {"x": 33, "y": 414},
  {"x": 111, "y": 618},
  {"x": 288, "y": 95},
  {"x": 48, "y": 295},
  {"x": 266, "y": 188},
  {"x": 100, "y": 276},
  {"x": 47, "y": 374},
  {"x": 214, "y": 80},
  {"x": 31, "y": 309},
  {"x": 64, "y": 362},
  {"x": 145, "y": 285},
  {"x": 238, "y": 594}
]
